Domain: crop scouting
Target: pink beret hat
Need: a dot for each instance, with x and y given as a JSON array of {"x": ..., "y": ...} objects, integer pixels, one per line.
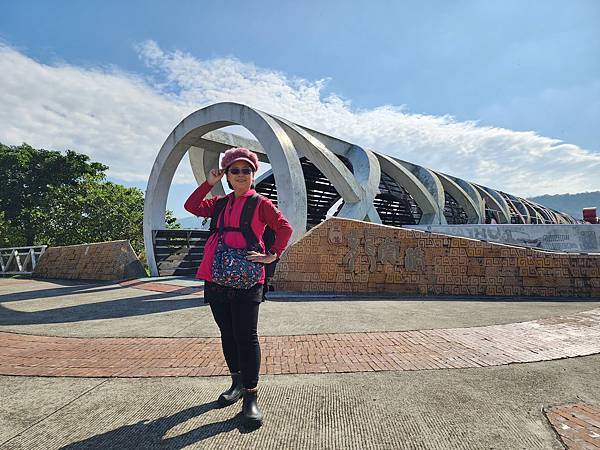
[{"x": 239, "y": 154}]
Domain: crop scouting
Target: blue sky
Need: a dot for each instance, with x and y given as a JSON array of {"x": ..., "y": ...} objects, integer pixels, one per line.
[{"x": 527, "y": 72}]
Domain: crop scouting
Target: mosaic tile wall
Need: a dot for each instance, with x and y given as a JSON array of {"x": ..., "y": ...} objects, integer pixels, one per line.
[
  {"x": 343, "y": 255},
  {"x": 114, "y": 260}
]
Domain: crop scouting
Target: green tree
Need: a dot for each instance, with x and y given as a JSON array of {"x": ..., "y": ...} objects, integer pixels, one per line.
[
  {"x": 7, "y": 233},
  {"x": 94, "y": 211},
  {"x": 58, "y": 199},
  {"x": 27, "y": 174}
]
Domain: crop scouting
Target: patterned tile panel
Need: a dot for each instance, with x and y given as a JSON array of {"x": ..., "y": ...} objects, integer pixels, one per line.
[
  {"x": 348, "y": 256},
  {"x": 113, "y": 260}
]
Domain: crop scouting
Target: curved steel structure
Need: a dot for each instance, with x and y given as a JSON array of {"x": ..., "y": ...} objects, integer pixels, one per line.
[{"x": 314, "y": 175}]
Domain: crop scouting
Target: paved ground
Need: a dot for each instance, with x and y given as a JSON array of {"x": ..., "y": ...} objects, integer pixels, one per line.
[
  {"x": 495, "y": 406},
  {"x": 84, "y": 310}
]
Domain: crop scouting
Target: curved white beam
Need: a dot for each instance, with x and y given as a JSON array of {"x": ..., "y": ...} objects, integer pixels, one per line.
[
  {"x": 432, "y": 184},
  {"x": 524, "y": 211},
  {"x": 363, "y": 181},
  {"x": 513, "y": 208},
  {"x": 462, "y": 198},
  {"x": 473, "y": 193},
  {"x": 422, "y": 196},
  {"x": 367, "y": 172},
  {"x": 533, "y": 211},
  {"x": 503, "y": 215},
  {"x": 499, "y": 200},
  {"x": 206, "y": 160},
  {"x": 326, "y": 161}
]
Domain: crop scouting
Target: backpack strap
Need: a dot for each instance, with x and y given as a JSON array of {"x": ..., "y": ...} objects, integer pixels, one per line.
[
  {"x": 246, "y": 221},
  {"x": 218, "y": 218},
  {"x": 220, "y": 205}
]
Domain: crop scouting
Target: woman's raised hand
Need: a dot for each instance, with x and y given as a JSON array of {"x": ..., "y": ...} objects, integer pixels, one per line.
[{"x": 215, "y": 176}]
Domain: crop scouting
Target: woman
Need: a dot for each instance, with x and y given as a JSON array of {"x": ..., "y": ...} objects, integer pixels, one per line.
[{"x": 236, "y": 310}]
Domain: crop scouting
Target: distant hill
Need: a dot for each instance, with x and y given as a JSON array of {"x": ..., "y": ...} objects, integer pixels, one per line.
[{"x": 572, "y": 204}]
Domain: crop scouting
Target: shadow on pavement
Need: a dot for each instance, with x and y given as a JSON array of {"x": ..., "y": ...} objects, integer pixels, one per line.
[
  {"x": 112, "y": 309},
  {"x": 150, "y": 434},
  {"x": 66, "y": 288}
]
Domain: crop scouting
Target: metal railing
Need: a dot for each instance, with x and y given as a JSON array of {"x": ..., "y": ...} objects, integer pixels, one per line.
[
  {"x": 20, "y": 260},
  {"x": 178, "y": 252}
]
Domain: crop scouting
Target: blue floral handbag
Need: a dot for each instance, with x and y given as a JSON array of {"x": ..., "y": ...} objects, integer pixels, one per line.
[{"x": 230, "y": 266}]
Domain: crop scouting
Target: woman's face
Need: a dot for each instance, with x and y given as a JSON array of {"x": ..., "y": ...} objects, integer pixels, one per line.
[{"x": 240, "y": 181}]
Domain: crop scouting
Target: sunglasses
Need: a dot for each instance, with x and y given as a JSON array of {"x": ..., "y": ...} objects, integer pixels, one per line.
[{"x": 244, "y": 170}]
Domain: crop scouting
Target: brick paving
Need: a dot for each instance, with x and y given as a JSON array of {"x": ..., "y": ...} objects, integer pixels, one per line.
[
  {"x": 578, "y": 425},
  {"x": 540, "y": 340}
]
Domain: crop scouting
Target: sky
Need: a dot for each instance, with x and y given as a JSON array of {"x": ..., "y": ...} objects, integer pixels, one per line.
[{"x": 503, "y": 93}]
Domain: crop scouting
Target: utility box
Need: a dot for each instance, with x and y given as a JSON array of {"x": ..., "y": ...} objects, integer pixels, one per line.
[{"x": 589, "y": 215}]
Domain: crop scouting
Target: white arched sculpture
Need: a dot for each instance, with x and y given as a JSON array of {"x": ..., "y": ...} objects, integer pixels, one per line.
[{"x": 283, "y": 143}]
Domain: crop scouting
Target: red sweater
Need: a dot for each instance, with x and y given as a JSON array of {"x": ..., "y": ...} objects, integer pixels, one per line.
[{"x": 265, "y": 214}]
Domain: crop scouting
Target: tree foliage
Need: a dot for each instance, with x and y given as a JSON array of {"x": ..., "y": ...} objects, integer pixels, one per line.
[
  {"x": 6, "y": 231},
  {"x": 60, "y": 199}
]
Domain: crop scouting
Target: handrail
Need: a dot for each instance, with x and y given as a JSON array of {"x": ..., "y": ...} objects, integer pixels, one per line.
[
  {"x": 20, "y": 260},
  {"x": 23, "y": 248}
]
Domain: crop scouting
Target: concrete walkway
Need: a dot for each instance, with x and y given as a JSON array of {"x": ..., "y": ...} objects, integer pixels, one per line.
[{"x": 338, "y": 373}]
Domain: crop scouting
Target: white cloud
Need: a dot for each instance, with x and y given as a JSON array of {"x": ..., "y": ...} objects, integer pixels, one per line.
[
  {"x": 116, "y": 118},
  {"x": 122, "y": 120}
]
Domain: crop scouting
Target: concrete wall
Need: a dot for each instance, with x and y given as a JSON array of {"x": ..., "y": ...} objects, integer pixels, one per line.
[
  {"x": 341, "y": 255},
  {"x": 564, "y": 238},
  {"x": 107, "y": 261}
]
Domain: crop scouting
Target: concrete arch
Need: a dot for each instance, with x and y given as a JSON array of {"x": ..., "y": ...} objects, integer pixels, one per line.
[
  {"x": 357, "y": 189},
  {"x": 516, "y": 211},
  {"x": 473, "y": 194},
  {"x": 462, "y": 198},
  {"x": 281, "y": 153},
  {"x": 404, "y": 177},
  {"x": 504, "y": 215},
  {"x": 499, "y": 200},
  {"x": 201, "y": 157},
  {"x": 326, "y": 161},
  {"x": 432, "y": 184},
  {"x": 368, "y": 174},
  {"x": 546, "y": 215},
  {"x": 518, "y": 201},
  {"x": 534, "y": 214}
]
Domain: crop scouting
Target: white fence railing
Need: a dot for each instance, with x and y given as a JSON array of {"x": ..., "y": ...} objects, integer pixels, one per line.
[{"x": 20, "y": 260}]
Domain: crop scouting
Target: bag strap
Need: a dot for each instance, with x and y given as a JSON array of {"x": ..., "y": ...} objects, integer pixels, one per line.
[
  {"x": 217, "y": 222},
  {"x": 220, "y": 205},
  {"x": 246, "y": 220}
]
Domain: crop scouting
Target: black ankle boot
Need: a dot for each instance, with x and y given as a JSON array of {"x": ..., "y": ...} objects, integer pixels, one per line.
[
  {"x": 252, "y": 415},
  {"x": 234, "y": 393}
]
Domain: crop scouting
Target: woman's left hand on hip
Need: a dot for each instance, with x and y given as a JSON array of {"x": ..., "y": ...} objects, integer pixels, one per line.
[{"x": 260, "y": 257}]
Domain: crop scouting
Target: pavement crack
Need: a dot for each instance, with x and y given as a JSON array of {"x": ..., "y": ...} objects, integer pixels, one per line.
[
  {"x": 187, "y": 326},
  {"x": 2, "y": 444}
]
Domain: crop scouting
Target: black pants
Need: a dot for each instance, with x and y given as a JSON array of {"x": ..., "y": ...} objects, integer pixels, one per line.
[{"x": 236, "y": 313}]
